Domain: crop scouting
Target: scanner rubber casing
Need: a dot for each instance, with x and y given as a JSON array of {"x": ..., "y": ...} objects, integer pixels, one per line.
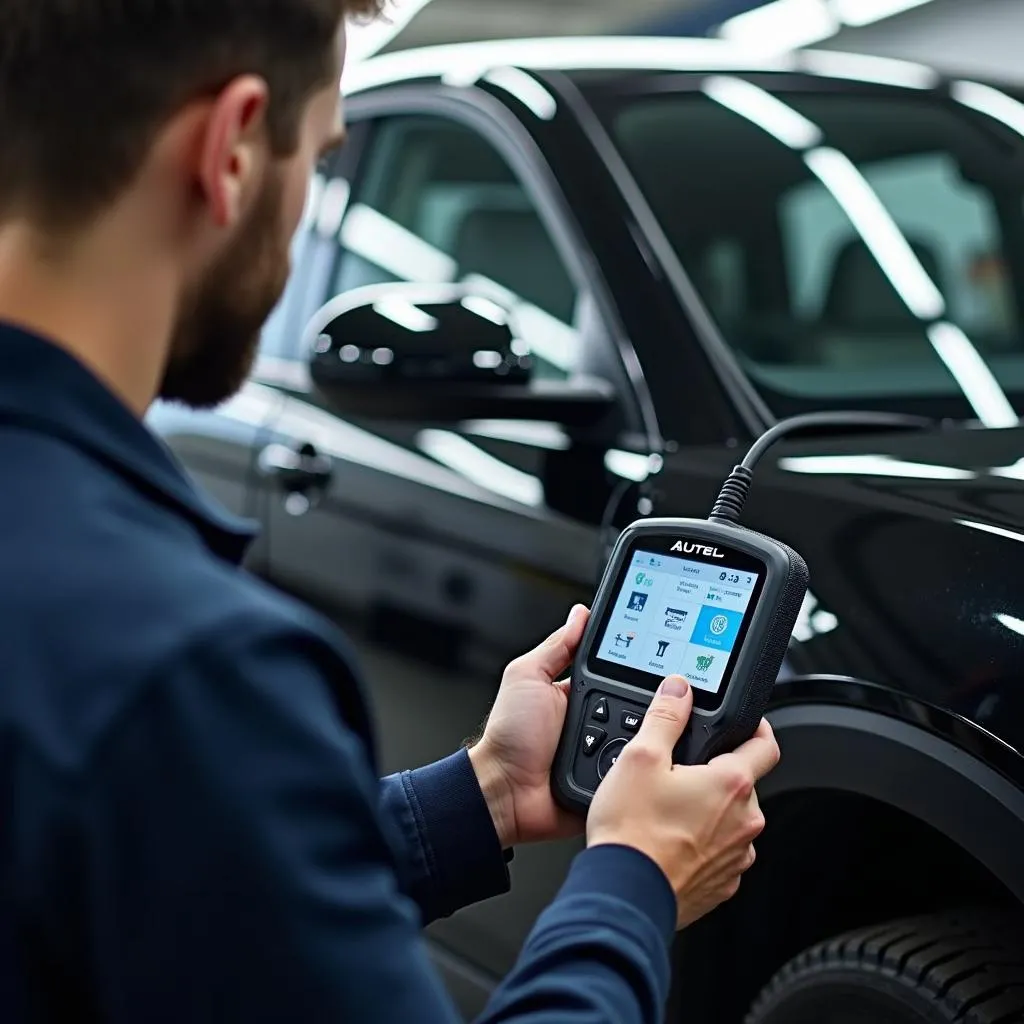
[{"x": 755, "y": 670}]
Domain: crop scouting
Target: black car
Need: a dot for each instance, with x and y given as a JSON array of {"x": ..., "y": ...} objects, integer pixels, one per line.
[{"x": 681, "y": 245}]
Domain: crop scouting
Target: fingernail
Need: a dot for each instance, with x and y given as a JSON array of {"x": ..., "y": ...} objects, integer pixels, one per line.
[{"x": 674, "y": 686}]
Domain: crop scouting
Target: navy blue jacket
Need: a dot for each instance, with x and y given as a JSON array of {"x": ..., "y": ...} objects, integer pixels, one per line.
[{"x": 191, "y": 826}]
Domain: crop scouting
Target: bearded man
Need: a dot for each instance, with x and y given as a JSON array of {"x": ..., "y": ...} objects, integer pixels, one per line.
[{"x": 192, "y": 830}]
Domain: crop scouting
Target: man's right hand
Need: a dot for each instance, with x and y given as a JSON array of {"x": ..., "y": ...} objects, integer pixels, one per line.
[{"x": 697, "y": 823}]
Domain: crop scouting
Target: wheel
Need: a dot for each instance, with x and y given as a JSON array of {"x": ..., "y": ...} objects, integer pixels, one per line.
[{"x": 963, "y": 968}]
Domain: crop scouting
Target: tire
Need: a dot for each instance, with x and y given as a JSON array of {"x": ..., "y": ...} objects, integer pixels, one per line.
[{"x": 942, "y": 969}]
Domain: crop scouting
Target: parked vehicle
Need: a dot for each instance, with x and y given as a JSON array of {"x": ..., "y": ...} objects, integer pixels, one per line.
[{"x": 687, "y": 245}]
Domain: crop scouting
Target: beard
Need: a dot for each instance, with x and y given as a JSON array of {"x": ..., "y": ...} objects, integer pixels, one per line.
[{"x": 217, "y": 333}]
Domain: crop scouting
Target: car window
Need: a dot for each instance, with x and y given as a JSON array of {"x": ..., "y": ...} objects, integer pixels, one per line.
[
  {"x": 855, "y": 248},
  {"x": 436, "y": 202}
]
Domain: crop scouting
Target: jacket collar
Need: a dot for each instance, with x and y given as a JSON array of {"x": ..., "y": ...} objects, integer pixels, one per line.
[{"x": 45, "y": 389}]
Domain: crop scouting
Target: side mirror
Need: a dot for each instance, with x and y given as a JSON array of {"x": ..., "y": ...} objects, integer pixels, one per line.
[{"x": 437, "y": 353}]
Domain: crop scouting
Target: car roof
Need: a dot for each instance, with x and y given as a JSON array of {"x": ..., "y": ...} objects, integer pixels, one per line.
[{"x": 466, "y": 63}]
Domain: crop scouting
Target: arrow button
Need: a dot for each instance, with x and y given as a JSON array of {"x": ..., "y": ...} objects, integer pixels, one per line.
[{"x": 592, "y": 740}]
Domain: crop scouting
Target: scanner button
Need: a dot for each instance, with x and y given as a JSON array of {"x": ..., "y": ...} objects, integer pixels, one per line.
[
  {"x": 631, "y": 720},
  {"x": 592, "y": 740},
  {"x": 609, "y": 756},
  {"x": 600, "y": 712}
]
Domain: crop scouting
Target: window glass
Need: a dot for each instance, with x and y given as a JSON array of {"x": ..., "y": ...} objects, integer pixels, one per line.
[
  {"x": 437, "y": 203},
  {"x": 855, "y": 248}
]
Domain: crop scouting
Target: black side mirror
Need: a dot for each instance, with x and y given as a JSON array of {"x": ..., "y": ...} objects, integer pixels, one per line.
[{"x": 440, "y": 353}]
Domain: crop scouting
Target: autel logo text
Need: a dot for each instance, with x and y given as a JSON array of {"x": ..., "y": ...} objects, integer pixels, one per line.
[{"x": 697, "y": 549}]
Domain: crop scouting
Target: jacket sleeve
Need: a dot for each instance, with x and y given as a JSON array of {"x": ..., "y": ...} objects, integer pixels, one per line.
[
  {"x": 234, "y": 865},
  {"x": 447, "y": 849}
]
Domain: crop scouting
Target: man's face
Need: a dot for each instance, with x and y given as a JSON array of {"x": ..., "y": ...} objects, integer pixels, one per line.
[{"x": 219, "y": 321}]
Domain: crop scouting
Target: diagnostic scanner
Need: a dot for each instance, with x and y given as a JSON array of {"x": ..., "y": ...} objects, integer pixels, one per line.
[{"x": 708, "y": 600}]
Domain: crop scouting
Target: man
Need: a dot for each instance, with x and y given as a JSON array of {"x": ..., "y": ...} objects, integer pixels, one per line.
[{"x": 192, "y": 826}]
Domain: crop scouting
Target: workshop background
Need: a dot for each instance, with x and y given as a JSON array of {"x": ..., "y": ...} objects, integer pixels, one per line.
[{"x": 576, "y": 256}]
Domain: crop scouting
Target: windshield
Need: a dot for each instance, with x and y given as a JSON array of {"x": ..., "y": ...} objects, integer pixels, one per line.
[{"x": 856, "y": 247}]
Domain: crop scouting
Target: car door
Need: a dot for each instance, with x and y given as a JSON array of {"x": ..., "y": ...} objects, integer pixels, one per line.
[{"x": 443, "y": 551}]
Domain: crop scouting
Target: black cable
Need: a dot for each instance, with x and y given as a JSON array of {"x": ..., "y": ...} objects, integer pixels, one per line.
[{"x": 733, "y": 494}]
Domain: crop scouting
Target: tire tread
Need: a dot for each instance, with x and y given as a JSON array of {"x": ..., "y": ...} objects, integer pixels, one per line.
[{"x": 969, "y": 965}]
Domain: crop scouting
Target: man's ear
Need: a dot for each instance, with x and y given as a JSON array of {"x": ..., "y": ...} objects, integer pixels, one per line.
[{"x": 234, "y": 148}]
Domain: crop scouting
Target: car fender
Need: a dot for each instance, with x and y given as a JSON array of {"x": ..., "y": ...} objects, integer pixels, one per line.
[{"x": 937, "y": 767}]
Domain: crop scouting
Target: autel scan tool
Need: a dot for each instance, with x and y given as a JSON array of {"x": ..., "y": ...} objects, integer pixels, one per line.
[{"x": 705, "y": 599}]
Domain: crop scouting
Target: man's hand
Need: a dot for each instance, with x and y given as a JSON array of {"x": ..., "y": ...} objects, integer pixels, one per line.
[
  {"x": 513, "y": 758},
  {"x": 697, "y": 823}
]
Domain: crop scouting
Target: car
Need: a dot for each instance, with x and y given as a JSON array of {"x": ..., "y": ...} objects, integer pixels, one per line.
[{"x": 571, "y": 280}]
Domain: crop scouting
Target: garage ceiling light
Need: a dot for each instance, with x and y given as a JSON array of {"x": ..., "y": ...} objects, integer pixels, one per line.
[
  {"x": 782, "y": 25},
  {"x": 786, "y": 25},
  {"x": 864, "y": 12}
]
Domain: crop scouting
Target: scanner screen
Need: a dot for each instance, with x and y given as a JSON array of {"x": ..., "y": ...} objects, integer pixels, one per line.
[{"x": 675, "y": 616}]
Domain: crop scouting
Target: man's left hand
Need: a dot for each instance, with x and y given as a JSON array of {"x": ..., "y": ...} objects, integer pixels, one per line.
[{"x": 513, "y": 758}]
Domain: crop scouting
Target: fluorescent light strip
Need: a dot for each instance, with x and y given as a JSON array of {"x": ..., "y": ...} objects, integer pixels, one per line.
[
  {"x": 464, "y": 63},
  {"x": 545, "y": 335},
  {"x": 549, "y": 436},
  {"x": 403, "y": 313},
  {"x": 526, "y": 89},
  {"x": 486, "y": 309},
  {"x": 1013, "y": 624},
  {"x": 879, "y": 231},
  {"x": 478, "y": 466},
  {"x": 390, "y": 246},
  {"x": 862, "y": 67},
  {"x": 314, "y": 194},
  {"x": 467, "y": 62},
  {"x": 993, "y": 102},
  {"x": 998, "y": 531},
  {"x": 969, "y": 370},
  {"x": 782, "y": 26},
  {"x": 333, "y": 202},
  {"x": 871, "y": 465},
  {"x": 1014, "y": 472},
  {"x": 763, "y": 109},
  {"x": 865, "y": 12},
  {"x": 628, "y": 465}
]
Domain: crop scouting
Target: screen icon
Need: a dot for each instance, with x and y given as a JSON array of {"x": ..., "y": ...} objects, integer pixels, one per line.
[
  {"x": 704, "y": 662},
  {"x": 663, "y": 646},
  {"x": 675, "y": 618},
  {"x": 717, "y": 628},
  {"x": 719, "y": 624},
  {"x": 624, "y": 639},
  {"x": 637, "y": 601}
]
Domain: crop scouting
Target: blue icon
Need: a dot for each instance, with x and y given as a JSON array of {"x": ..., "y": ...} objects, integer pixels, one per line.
[{"x": 716, "y": 628}]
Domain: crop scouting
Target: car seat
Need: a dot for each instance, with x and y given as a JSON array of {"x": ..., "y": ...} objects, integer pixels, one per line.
[{"x": 865, "y": 322}]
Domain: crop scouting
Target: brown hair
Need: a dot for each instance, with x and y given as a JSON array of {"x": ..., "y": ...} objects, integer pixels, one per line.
[{"x": 86, "y": 84}]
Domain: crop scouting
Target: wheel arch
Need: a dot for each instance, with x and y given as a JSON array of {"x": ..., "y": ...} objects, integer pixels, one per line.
[
  {"x": 871, "y": 814},
  {"x": 909, "y": 768}
]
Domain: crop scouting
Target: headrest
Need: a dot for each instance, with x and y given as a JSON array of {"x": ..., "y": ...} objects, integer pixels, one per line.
[{"x": 862, "y": 297}]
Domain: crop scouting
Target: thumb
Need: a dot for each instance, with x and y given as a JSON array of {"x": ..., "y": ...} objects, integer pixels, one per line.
[
  {"x": 668, "y": 714},
  {"x": 555, "y": 654}
]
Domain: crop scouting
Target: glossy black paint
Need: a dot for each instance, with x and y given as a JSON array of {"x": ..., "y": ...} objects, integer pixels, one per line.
[{"x": 914, "y": 541}]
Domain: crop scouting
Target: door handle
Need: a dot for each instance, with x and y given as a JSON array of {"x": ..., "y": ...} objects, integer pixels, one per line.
[{"x": 298, "y": 470}]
